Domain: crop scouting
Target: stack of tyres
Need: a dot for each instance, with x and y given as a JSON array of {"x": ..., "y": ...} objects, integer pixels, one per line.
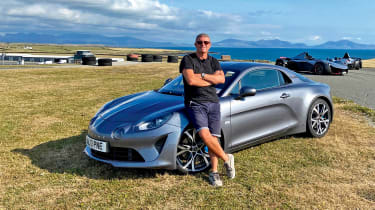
[
  {"x": 105, "y": 62},
  {"x": 89, "y": 60},
  {"x": 132, "y": 57},
  {"x": 157, "y": 58},
  {"x": 147, "y": 58},
  {"x": 172, "y": 58}
]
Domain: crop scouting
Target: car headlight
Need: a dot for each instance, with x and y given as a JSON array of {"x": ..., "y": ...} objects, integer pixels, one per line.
[{"x": 153, "y": 123}]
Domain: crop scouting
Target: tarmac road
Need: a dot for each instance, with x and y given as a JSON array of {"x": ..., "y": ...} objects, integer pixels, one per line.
[{"x": 358, "y": 85}]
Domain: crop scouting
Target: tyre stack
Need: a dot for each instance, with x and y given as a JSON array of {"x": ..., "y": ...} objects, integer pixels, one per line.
[
  {"x": 157, "y": 58},
  {"x": 172, "y": 58},
  {"x": 132, "y": 57},
  {"x": 147, "y": 58},
  {"x": 91, "y": 60},
  {"x": 105, "y": 62}
]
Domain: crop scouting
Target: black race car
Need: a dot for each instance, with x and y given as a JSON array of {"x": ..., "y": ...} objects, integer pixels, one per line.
[
  {"x": 351, "y": 62},
  {"x": 305, "y": 62}
]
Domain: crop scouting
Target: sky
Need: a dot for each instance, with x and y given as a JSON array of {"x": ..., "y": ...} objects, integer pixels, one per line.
[{"x": 179, "y": 21}]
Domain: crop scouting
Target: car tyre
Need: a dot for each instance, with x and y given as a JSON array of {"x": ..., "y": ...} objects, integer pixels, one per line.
[
  {"x": 356, "y": 65},
  {"x": 280, "y": 63},
  {"x": 192, "y": 154},
  {"x": 319, "y": 69},
  {"x": 157, "y": 58},
  {"x": 132, "y": 57},
  {"x": 147, "y": 58},
  {"x": 105, "y": 62},
  {"x": 319, "y": 118},
  {"x": 172, "y": 59},
  {"x": 90, "y": 60}
]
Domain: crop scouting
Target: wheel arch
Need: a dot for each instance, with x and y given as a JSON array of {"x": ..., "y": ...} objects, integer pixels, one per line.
[
  {"x": 326, "y": 99},
  {"x": 327, "y": 68}
]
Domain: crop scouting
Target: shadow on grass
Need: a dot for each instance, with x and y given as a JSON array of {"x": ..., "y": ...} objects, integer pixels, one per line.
[{"x": 67, "y": 156}]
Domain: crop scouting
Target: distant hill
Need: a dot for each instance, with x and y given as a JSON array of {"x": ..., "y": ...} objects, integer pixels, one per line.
[
  {"x": 343, "y": 44},
  {"x": 275, "y": 43},
  {"x": 124, "y": 41},
  {"x": 75, "y": 38}
]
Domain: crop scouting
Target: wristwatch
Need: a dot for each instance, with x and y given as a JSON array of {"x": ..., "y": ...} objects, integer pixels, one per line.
[{"x": 202, "y": 75}]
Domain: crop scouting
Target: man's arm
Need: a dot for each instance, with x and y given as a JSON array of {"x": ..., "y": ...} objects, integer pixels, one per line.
[
  {"x": 195, "y": 79},
  {"x": 215, "y": 78}
]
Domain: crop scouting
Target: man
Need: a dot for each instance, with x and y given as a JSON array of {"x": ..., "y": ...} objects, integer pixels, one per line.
[{"x": 201, "y": 73}]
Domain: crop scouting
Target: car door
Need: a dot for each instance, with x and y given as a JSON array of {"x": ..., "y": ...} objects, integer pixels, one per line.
[
  {"x": 268, "y": 113},
  {"x": 305, "y": 65}
]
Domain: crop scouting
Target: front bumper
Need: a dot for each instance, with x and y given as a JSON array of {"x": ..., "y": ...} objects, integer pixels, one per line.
[
  {"x": 338, "y": 71},
  {"x": 148, "y": 149}
]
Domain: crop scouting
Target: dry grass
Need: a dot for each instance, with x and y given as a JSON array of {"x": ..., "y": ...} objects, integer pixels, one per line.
[
  {"x": 45, "y": 113},
  {"x": 370, "y": 63},
  {"x": 98, "y": 50}
]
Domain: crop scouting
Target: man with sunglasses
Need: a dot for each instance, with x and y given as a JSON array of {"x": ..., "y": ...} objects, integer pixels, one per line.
[{"x": 201, "y": 72}]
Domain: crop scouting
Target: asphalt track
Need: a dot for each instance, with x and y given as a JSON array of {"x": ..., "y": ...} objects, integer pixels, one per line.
[{"x": 357, "y": 85}]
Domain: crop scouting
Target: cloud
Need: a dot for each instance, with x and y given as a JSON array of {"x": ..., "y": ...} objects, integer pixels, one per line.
[
  {"x": 315, "y": 38},
  {"x": 351, "y": 38},
  {"x": 259, "y": 13},
  {"x": 140, "y": 18}
]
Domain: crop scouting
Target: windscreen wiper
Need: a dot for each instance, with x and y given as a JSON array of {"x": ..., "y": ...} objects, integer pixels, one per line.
[{"x": 171, "y": 93}]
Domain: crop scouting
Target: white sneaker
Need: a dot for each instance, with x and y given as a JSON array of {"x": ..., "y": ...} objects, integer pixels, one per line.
[
  {"x": 229, "y": 167},
  {"x": 215, "y": 179}
]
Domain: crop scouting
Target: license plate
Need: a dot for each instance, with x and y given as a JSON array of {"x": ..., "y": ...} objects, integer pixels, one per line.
[{"x": 97, "y": 145}]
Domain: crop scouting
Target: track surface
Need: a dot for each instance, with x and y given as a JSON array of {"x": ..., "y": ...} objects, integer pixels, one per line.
[{"x": 358, "y": 85}]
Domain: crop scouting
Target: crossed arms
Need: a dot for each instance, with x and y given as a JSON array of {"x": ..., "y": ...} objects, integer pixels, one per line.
[{"x": 208, "y": 80}]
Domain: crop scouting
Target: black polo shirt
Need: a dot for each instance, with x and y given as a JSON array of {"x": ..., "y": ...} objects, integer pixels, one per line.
[{"x": 208, "y": 66}]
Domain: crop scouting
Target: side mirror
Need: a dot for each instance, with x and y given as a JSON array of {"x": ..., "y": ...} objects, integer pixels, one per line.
[
  {"x": 247, "y": 91},
  {"x": 167, "y": 81}
]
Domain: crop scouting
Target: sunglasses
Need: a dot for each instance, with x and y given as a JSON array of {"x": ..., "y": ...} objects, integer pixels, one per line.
[{"x": 205, "y": 42}]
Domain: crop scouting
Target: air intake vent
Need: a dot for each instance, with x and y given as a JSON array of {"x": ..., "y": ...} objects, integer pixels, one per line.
[{"x": 119, "y": 154}]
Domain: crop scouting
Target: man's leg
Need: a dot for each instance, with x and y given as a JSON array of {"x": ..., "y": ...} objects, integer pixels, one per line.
[
  {"x": 214, "y": 161},
  {"x": 213, "y": 144}
]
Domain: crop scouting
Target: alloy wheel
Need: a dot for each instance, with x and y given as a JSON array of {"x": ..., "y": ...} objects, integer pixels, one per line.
[
  {"x": 320, "y": 118},
  {"x": 192, "y": 154},
  {"x": 319, "y": 69}
]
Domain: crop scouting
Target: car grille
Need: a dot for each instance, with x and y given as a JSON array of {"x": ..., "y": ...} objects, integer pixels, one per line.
[{"x": 120, "y": 154}]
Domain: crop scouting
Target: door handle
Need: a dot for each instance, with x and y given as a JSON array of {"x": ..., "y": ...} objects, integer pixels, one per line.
[{"x": 285, "y": 95}]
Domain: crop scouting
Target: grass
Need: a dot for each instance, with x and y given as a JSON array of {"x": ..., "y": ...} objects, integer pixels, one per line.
[
  {"x": 370, "y": 63},
  {"x": 44, "y": 119},
  {"x": 356, "y": 108},
  {"x": 98, "y": 50}
]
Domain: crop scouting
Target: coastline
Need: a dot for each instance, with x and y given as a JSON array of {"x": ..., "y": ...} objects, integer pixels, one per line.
[{"x": 267, "y": 55}]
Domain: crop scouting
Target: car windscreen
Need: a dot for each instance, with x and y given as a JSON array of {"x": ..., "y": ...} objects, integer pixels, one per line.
[{"x": 176, "y": 86}]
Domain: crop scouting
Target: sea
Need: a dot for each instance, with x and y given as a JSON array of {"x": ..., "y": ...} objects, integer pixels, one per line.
[{"x": 272, "y": 54}]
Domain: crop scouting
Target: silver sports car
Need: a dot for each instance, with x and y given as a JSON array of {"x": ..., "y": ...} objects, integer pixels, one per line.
[{"x": 259, "y": 102}]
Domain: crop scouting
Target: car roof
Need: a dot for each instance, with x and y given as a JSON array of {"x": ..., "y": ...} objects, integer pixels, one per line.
[{"x": 242, "y": 66}]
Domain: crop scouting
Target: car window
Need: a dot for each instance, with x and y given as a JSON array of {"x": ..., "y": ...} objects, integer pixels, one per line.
[
  {"x": 261, "y": 79},
  {"x": 283, "y": 78},
  {"x": 236, "y": 89}
]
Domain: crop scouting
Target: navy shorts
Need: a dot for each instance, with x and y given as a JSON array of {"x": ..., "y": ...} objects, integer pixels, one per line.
[{"x": 205, "y": 116}]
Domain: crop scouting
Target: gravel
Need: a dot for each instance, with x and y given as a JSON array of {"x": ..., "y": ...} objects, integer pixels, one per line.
[{"x": 358, "y": 85}]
